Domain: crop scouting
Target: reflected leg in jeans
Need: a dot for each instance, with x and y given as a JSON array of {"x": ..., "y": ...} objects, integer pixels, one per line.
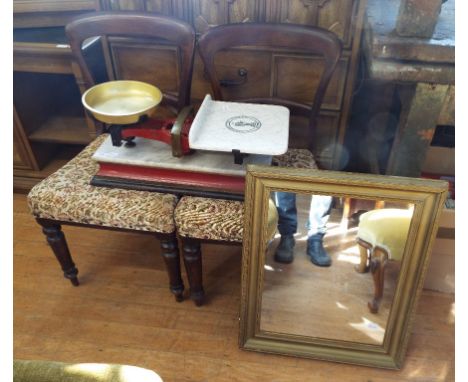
[
  {"x": 287, "y": 226},
  {"x": 319, "y": 212}
]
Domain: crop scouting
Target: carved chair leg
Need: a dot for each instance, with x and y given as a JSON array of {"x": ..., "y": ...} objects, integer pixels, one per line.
[
  {"x": 364, "y": 252},
  {"x": 346, "y": 212},
  {"x": 193, "y": 266},
  {"x": 377, "y": 267},
  {"x": 57, "y": 242},
  {"x": 170, "y": 254}
]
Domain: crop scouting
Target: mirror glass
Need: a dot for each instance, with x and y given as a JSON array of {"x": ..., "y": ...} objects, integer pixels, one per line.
[{"x": 331, "y": 268}]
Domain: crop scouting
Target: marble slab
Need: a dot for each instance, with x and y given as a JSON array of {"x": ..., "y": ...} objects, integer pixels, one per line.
[
  {"x": 151, "y": 153},
  {"x": 249, "y": 128}
]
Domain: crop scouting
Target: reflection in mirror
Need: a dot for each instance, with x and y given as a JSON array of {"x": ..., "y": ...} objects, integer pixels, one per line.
[
  {"x": 344, "y": 285},
  {"x": 331, "y": 269}
]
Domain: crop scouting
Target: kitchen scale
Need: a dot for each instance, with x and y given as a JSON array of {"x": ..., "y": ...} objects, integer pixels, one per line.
[{"x": 204, "y": 154}]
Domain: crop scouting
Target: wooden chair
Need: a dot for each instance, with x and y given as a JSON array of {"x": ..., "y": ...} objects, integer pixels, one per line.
[
  {"x": 138, "y": 25},
  {"x": 66, "y": 197},
  {"x": 207, "y": 219},
  {"x": 381, "y": 237}
]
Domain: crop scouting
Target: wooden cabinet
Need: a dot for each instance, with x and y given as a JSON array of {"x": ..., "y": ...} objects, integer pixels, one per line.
[
  {"x": 48, "y": 83},
  {"x": 47, "y": 87},
  {"x": 257, "y": 72}
]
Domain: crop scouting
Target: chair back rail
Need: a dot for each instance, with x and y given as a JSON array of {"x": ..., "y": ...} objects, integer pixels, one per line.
[
  {"x": 134, "y": 24},
  {"x": 301, "y": 38}
]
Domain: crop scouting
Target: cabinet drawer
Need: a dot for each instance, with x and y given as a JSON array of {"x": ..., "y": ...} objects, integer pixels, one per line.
[
  {"x": 146, "y": 61},
  {"x": 27, "y": 6},
  {"x": 42, "y": 58},
  {"x": 49, "y": 13},
  {"x": 289, "y": 76},
  {"x": 296, "y": 78},
  {"x": 228, "y": 63}
]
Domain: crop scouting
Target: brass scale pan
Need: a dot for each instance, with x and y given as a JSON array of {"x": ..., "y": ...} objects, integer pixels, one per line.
[{"x": 121, "y": 102}]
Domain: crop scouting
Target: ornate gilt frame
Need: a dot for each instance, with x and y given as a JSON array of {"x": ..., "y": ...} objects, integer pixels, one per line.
[{"x": 428, "y": 197}]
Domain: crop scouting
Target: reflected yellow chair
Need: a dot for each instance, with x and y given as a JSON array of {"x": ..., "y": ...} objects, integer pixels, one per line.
[{"x": 381, "y": 237}]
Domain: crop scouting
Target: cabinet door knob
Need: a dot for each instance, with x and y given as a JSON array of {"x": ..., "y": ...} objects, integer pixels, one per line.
[{"x": 242, "y": 73}]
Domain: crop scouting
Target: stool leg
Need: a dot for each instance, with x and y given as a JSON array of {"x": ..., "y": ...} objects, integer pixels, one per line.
[
  {"x": 170, "y": 254},
  {"x": 377, "y": 267},
  {"x": 193, "y": 266},
  {"x": 57, "y": 242}
]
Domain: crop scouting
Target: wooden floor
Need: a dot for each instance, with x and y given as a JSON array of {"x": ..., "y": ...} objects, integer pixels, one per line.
[
  {"x": 124, "y": 313},
  {"x": 324, "y": 302}
]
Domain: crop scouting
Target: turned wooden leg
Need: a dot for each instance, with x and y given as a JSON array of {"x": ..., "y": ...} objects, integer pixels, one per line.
[
  {"x": 170, "y": 254},
  {"x": 364, "y": 250},
  {"x": 57, "y": 242},
  {"x": 377, "y": 267},
  {"x": 346, "y": 212},
  {"x": 193, "y": 267}
]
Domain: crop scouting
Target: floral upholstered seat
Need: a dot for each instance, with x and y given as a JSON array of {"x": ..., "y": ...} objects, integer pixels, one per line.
[
  {"x": 217, "y": 219},
  {"x": 296, "y": 158},
  {"x": 210, "y": 219},
  {"x": 67, "y": 196}
]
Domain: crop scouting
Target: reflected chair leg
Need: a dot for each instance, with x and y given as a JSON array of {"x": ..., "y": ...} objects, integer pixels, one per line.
[
  {"x": 170, "y": 254},
  {"x": 193, "y": 266},
  {"x": 346, "y": 213},
  {"x": 364, "y": 251},
  {"x": 57, "y": 242},
  {"x": 379, "y": 204},
  {"x": 377, "y": 267}
]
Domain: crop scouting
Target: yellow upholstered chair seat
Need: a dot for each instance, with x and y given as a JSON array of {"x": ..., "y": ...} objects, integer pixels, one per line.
[
  {"x": 382, "y": 236},
  {"x": 386, "y": 228}
]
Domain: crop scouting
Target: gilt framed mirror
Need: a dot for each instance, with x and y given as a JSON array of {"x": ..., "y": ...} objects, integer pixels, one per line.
[{"x": 355, "y": 301}]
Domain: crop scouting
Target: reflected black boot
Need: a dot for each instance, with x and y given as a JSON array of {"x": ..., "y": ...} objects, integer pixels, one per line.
[
  {"x": 285, "y": 251},
  {"x": 316, "y": 252}
]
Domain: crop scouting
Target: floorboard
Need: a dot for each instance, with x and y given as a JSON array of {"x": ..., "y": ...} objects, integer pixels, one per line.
[{"x": 123, "y": 312}]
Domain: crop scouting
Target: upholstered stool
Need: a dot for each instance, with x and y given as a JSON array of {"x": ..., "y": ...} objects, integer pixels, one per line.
[
  {"x": 295, "y": 158},
  {"x": 382, "y": 236},
  {"x": 212, "y": 220},
  {"x": 206, "y": 219},
  {"x": 66, "y": 197}
]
